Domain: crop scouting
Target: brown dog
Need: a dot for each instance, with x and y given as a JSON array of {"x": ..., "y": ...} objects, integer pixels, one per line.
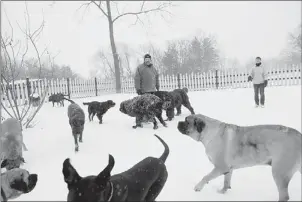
[
  {"x": 76, "y": 117},
  {"x": 98, "y": 108},
  {"x": 231, "y": 147}
]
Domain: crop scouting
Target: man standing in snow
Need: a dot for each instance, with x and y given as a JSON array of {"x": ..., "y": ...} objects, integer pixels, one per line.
[
  {"x": 146, "y": 77},
  {"x": 259, "y": 77}
]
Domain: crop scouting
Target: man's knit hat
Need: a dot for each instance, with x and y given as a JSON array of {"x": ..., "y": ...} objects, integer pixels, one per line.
[{"x": 147, "y": 56}]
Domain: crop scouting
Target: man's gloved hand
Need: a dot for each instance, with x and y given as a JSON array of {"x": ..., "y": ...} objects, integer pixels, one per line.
[
  {"x": 265, "y": 83},
  {"x": 249, "y": 78},
  {"x": 139, "y": 91}
]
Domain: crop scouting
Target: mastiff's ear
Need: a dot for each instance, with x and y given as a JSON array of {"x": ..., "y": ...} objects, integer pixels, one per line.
[{"x": 199, "y": 124}]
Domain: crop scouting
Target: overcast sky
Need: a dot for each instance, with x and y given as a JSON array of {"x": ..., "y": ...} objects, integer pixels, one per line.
[{"x": 243, "y": 29}]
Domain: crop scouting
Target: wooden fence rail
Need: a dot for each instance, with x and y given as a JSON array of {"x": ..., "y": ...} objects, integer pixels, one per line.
[{"x": 216, "y": 79}]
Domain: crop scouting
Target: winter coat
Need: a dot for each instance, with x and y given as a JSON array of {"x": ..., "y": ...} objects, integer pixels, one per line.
[{"x": 146, "y": 78}]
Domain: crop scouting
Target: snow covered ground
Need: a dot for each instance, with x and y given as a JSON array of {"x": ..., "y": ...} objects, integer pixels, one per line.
[{"x": 50, "y": 143}]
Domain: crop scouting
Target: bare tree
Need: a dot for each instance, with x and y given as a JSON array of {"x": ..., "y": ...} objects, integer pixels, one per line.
[
  {"x": 104, "y": 64},
  {"x": 291, "y": 54},
  {"x": 127, "y": 55},
  {"x": 51, "y": 60},
  {"x": 106, "y": 9},
  {"x": 10, "y": 63}
]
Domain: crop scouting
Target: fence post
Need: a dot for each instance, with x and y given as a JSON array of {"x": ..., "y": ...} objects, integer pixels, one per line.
[
  {"x": 28, "y": 87},
  {"x": 178, "y": 80},
  {"x": 68, "y": 88},
  {"x": 216, "y": 78},
  {"x": 96, "y": 86}
]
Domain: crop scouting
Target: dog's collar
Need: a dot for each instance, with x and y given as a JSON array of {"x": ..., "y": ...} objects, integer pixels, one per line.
[
  {"x": 4, "y": 199},
  {"x": 111, "y": 192}
]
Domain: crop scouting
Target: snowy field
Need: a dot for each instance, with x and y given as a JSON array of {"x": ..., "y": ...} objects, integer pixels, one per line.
[{"x": 50, "y": 142}]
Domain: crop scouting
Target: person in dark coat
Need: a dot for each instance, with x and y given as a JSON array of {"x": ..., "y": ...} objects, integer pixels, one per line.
[{"x": 146, "y": 77}]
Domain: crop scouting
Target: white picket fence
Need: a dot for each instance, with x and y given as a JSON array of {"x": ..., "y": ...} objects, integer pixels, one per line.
[{"x": 217, "y": 79}]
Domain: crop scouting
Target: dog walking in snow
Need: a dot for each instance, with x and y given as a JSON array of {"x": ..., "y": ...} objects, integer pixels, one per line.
[{"x": 230, "y": 147}]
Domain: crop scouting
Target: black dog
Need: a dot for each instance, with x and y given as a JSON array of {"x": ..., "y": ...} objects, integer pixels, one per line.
[
  {"x": 180, "y": 98},
  {"x": 143, "y": 182},
  {"x": 170, "y": 105},
  {"x": 76, "y": 117},
  {"x": 57, "y": 98},
  {"x": 98, "y": 108},
  {"x": 144, "y": 108}
]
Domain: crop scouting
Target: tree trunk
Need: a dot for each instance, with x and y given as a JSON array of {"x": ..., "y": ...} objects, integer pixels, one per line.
[{"x": 113, "y": 49}]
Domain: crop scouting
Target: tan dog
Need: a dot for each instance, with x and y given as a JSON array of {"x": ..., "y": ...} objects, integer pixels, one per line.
[
  {"x": 12, "y": 142},
  {"x": 16, "y": 182},
  {"x": 231, "y": 147}
]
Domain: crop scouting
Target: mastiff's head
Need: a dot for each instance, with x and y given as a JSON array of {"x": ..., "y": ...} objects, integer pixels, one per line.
[
  {"x": 193, "y": 126},
  {"x": 17, "y": 181},
  {"x": 123, "y": 107}
]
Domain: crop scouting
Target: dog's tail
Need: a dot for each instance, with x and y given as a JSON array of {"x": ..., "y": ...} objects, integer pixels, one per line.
[
  {"x": 165, "y": 155},
  {"x": 71, "y": 101},
  {"x": 86, "y": 103}
]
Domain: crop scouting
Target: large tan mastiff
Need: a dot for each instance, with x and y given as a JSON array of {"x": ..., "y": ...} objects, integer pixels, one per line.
[
  {"x": 231, "y": 147},
  {"x": 16, "y": 182}
]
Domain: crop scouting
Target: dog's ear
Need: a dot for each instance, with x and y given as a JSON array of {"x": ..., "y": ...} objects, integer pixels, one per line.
[
  {"x": 71, "y": 176},
  {"x": 4, "y": 163},
  {"x": 199, "y": 124},
  {"x": 105, "y": 175}
]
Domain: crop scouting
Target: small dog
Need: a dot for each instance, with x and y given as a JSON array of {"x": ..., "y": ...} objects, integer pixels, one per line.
[
  {"x": 16, "y": 182},
  {"x": 231, "y": 147},
  {"x": 144, "y": 108},
  {"x": 57, "y": 98},
  {"x": 76, "y": 117},
  {"x": 181, "y": 97},
  {"x": 169, "y": 101},
  {"x": 143, "y": 182},
  {"x": 98, "y": 108},
  {"x": 35, "y": 99},
  {"x": 11, "y": 140}
]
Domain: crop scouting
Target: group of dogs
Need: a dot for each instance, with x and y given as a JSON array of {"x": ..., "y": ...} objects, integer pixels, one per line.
[{"x": 228, "y": 147}]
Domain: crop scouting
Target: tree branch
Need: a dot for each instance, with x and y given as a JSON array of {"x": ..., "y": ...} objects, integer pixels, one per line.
[
  {"x": 160, "y": 8},
  {"x": 100, "y": 7}
]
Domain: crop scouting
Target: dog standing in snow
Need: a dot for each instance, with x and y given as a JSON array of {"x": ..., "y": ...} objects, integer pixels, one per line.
[
  {"x": 76, "y": 118},
  {"x": 145, "y": 108},
  {"x": 231, "y": 147},
  {"x": 98, "y": 108}
]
